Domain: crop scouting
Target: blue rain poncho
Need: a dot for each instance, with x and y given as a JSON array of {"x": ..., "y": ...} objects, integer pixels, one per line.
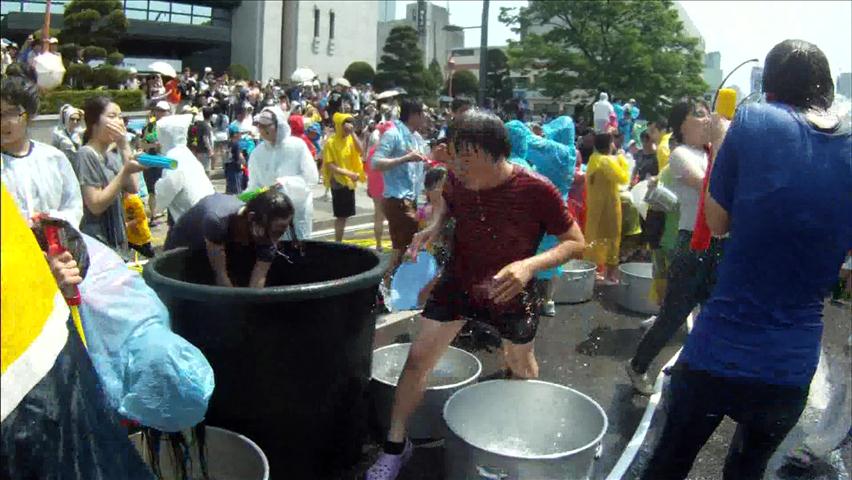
[
  {"x": 519, "y": 136},
  {"x": 554, "y": 157},
  {"x": 149, "y": 374}
]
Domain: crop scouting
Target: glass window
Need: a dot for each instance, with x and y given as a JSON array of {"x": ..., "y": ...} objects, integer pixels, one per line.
[
  {"x": 331, "y": 25},
  {"x": 158, "y": 16},
  {"x": 185, "y": 19},
  {"x": 136, "y": 14},
  {"x": 181, "y": 8},
  {"x": 316, "y": 22},
  {"x": 137, "y": 4},
  {"x": 34, "y": 7},
  {"x": 202, "y": 11},
  {"x": 157, "y": 5},
  {"x": 6, "y": 7},
  {"x": 201, "y": 20}
]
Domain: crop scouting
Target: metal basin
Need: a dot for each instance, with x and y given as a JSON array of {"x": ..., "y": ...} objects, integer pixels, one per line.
[
  {"x": 577, "y": 283},
  {"x": 230, "y": 456},
  {"x": 516, "y": 430},
  {"x": 456, "y": 369},
  {"x": 635, "y": 288}
]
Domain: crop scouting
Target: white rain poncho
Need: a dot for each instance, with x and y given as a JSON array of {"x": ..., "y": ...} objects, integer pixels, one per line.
[
  {"x": 289, "y": 163},
  {"x": 180, "y": 189},
  {"x": 43, "y": 182},
  {"x": 66, "y": 140}
]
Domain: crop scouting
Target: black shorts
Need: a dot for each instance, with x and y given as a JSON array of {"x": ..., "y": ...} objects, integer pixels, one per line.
[
  {"x": 151, "y": 175},
  {"x": 343, "y": 202},
  {"x": 517, "y": 324}
]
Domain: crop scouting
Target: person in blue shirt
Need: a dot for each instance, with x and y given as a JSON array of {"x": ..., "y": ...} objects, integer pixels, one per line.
[
  {"x": 782, "y": 187},
  {"x": 400, "y": 158}
]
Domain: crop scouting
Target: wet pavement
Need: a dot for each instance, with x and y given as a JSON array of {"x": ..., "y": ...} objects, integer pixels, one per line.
[{"x": 585, "y": 347}]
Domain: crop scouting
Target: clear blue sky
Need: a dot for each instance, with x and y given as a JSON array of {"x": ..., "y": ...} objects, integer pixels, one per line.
[{"x": 738, "y": 29}]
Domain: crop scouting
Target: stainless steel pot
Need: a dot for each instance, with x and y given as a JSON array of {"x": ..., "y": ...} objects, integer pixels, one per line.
[
  {"x": 661, "y": 198},
  {"x": 519, "y": 430},
  {"x": 636, "y": 282},
  {"x": 455, "y": 370},
  {"x": 230, "y": 456},
  {"x": 577, "y": 283}
]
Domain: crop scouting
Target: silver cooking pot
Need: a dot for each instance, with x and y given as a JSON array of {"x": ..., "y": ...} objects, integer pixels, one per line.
[
  {"x": 577, "y": 283},
  {"x": 661, "y": 198}
]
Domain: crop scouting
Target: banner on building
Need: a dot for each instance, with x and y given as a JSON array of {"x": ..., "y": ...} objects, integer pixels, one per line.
[{"x": 421, "y": 16}]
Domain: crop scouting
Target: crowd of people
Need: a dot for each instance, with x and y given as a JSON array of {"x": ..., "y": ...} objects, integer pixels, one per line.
[{"x": 503, "y": 204}]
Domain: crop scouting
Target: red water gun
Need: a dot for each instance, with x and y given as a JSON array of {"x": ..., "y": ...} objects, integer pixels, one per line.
[{"x": 53, "y": 235}]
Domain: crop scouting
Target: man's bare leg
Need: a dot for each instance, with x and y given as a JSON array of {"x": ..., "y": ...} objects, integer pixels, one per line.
[
  {"x": 339, "y": 228},
  {"x": 431, "y": 343},
  {"x": 521, "y": 359}
]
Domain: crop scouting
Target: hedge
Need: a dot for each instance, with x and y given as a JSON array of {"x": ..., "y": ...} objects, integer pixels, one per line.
[{"x": 128, "y": 100}]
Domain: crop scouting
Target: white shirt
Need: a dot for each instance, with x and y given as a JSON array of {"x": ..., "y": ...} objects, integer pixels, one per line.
[
  {"x": 356, "y": 99},
  {"x": 602, "y": 109},
  {"x": 43, "y": 181},
  {"x": 683, "y": 159},
  {"x": 180, "y": 189}
]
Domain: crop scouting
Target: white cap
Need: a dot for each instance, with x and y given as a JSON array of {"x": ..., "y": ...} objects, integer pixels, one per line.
[
  {"x": 163, "y": 105},
  {"x": 207, "y": 69}
]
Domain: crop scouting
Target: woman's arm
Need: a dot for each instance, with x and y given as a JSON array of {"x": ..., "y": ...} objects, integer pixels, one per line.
[
  {"x": 259, "y": 273},
  {"x": 219, "y": 262}
]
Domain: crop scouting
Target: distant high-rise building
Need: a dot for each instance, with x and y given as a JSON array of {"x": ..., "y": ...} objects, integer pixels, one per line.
[
  {"x": 844, "y": 84},
  {"x": 713, "y": 60},
  {"x": 387, "y": 10},
  {"x": 436, "y": 43},
  {"x": 712, "y": 73},
  {"x": 756, "y": 79}
]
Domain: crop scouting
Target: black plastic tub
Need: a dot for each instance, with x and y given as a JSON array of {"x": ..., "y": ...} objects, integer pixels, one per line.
[{"x": 292, "y": 361}]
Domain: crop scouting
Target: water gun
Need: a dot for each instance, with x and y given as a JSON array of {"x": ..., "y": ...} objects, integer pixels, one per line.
[
  {"x": 149, "y": 160},
  {"x": 726, "y": 104},
  {"x": 250, "y": 195},
  {"x": 55, "y": 247}
]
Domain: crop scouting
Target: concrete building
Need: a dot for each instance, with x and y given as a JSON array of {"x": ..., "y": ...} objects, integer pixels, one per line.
[
  {"x": 844, "y": 84},
  {"x": 327, "y": 36},
  {"x": 712, "y": 73},
  {"x": 756, "y": 79},
  {"x": 387, "y": 10},
  {"x": 270, "y": 38},
  {"x": 430, "y": 21}
]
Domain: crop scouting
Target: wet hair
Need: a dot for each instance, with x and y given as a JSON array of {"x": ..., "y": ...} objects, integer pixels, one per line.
[
  {"x": 644, "y": 136},
  {"x": 270, "y": 205},
  {"x": 603, "y": 143},
  {"x": 480, "y": 130},
  {"x": 679, "y": 113},
  {"x": 206, "y": 112},
  {"x": 409, "y": 107},
  {"x": 434, "y": 176},
  {"x": 92, "y": 111},
  {"x": 460, "y": 102},
  {"x": 796, "y": 72},
  {"x": 661, "y": 123},
  {"x": 21, "y": 92}
]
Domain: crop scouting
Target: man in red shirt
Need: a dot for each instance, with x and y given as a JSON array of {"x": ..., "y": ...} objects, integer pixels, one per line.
[{"x": 501, "y": 212}]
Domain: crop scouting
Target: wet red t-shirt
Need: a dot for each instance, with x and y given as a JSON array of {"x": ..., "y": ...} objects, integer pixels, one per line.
[{"x": 500, "y": 225}]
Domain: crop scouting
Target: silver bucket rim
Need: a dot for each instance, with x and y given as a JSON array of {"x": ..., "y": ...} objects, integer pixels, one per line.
[
  {"x": 586, "y": 267},
  {"x": 440, "y": 387},
  {"x": 626, "y": 271},
  {"x": 549, "y": 456}
]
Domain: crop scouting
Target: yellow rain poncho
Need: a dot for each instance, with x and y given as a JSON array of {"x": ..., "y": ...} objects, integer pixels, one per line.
[
  {"x": 663, "y": 151},
  {"x": 340, "y": 150},
  {"x": 604, "y": 175}
]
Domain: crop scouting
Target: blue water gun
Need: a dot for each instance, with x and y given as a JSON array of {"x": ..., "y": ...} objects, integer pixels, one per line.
[{"x": 149, "y": 160}]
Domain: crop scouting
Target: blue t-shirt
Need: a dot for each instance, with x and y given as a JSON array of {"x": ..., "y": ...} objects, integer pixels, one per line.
[
  {"x": 788, "y": 190},
  {"x": 402, "y": 181}
]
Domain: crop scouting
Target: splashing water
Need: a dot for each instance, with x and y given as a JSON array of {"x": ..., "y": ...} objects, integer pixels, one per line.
[{"x": 511, "y": 446}]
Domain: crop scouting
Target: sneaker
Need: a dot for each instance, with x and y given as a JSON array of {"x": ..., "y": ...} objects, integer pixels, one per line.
[
  {"x": 387, "y": 466},
  {"x": 641, "y": 383},
  {"x": 648, "y": 322},
  {"x": 549, "y": 309}
]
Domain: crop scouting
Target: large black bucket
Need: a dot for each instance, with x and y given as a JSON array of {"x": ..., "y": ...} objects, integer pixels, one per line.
[{"x": 292, "y": 361}]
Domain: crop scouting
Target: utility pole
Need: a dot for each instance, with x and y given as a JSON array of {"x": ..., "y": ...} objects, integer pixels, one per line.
[{"x": 483, "y": 54}]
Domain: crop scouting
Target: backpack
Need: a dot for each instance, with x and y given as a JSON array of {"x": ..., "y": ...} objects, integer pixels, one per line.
[{"x": 193, "y": 136}]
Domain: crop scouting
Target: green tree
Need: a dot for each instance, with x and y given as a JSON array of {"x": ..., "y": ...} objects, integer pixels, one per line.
[
  {"x": 464, "y": 83},
  {"x": 359, "y": 72},
  {"x": 238, "y": 72},
  {"x": 433, "y": 78},
  {"x": 99, "y": 23},
  {"x": 499, "y": 84},
  {"x": 630, "y": 49},
  {"x": 402, "y": 62}
]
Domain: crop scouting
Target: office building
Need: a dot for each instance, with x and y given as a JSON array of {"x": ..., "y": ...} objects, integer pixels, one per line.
[
  {"x": 387, "y": 10},
  {"x": 431, "y": 21},
  {"x": 756, "y": 79},
  {"x": 270, "y": 38},
  {"x": 844, "y": 85}
]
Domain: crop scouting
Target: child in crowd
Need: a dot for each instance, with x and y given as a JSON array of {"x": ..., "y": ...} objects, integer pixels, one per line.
[
  {"x": 434, "y": 185},
  {"x": 234, "y": 163},
  {"x": 138, "y": 231}
]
